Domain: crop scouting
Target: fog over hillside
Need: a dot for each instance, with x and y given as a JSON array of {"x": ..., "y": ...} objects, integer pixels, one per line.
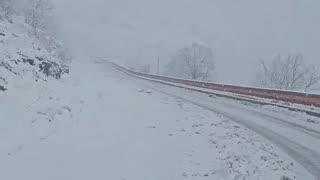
[{"x": 238, "y": 31}]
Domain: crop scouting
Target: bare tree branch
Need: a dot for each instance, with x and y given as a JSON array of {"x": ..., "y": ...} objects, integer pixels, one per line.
[
  {"x": 289, "y": 73},
  {"x": 193, "y": 62}
]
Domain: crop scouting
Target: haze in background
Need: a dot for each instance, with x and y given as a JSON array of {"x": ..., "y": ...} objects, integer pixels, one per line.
[{"x": 240, "y": 32}]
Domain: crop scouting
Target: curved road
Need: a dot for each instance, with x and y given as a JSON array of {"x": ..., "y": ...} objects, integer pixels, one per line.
[{"x": 299, "y": 142}]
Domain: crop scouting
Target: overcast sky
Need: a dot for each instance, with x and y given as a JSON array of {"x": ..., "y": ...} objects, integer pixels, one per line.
[{"x": 240, "y": 31}]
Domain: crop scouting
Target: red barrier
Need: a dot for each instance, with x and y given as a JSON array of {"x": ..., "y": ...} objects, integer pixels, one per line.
[{"x": 286, "y": 96}]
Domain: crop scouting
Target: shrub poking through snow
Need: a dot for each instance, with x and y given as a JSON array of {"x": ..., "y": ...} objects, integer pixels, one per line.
[{"x": 2, "y": 88}]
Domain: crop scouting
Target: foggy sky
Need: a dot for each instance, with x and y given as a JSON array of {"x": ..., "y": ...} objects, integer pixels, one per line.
[{"x": 240, "y": 31}]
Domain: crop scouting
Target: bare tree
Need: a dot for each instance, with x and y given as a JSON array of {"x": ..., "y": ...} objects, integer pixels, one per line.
[
  {"x": 194, "y": 62},
  {"x": 39, "y": 16},
  {"x": 313, "y": 79},
  {"x": 290, "y": 73}
]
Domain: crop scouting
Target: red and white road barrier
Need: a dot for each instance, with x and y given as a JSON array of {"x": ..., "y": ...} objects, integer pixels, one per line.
[{"x": 279, "y": 95}]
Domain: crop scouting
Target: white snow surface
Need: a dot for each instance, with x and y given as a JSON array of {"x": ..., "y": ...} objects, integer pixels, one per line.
[
  {"x": 98, "y": 123},
  {"x": 21, "y": 56},
  {"x": 296, "y": 118},
  {"x": 289, "y": 131}
]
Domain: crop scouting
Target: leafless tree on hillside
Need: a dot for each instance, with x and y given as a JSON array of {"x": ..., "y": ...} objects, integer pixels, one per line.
[
  {"x": 194, "y": 62},
  {"x": 6, "y": 9},
  {"x": 38, "y": 16},
  {"x": 290, "y": 73}
]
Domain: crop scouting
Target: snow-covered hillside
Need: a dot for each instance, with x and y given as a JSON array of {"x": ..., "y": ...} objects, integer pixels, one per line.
[
  {"x": 27, "y": 73},
  {"x": 23, "y": 60}
]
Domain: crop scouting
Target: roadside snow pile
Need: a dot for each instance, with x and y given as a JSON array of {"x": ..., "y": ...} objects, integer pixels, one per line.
[{"x": 22, "y": 59}]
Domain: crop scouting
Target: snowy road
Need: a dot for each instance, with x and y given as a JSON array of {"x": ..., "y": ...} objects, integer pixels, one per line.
[
  {"x": 99, "y": 123},
  {"x": 303, "y": 149},
  {"x": 298, "y": 141}
]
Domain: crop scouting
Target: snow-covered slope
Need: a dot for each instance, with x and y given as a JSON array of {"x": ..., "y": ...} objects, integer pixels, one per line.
[
  {"x": 23, "y": 60},
  {"x": 97, "y": 123},
  {"x": 27, "y": 73}
]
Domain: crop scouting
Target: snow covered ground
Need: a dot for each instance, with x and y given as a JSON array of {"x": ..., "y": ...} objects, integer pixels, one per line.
[
  {"x": 290, "y": 131},
  {"x": 289, "y": 113},
  {"x": 24, "y": 62},
  {"x": 98, "y": 123}
]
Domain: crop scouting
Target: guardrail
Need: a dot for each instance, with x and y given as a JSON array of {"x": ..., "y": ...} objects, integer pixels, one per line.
[{"x": 286, "y": 96}]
